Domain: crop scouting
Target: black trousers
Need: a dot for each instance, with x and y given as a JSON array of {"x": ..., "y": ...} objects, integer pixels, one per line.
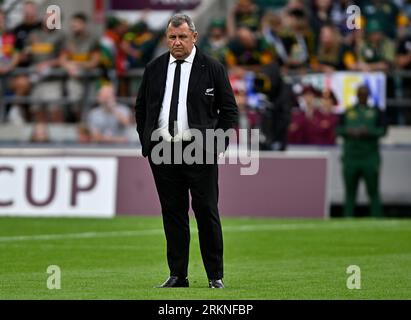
[{"x": 174, "y": 182}]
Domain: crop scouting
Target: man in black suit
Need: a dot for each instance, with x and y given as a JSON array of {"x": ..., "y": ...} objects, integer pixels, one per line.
[{"x": 184, "y": 90}]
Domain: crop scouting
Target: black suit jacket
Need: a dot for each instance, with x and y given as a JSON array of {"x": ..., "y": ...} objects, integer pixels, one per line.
[{"x": 218, "y": 111}]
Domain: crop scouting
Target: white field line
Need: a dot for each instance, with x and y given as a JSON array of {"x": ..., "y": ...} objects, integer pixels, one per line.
[{"x": 240, "y": 228}]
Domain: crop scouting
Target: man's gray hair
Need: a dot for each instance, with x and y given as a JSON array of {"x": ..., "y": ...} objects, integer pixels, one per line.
[{"x": 179, "y": 18}]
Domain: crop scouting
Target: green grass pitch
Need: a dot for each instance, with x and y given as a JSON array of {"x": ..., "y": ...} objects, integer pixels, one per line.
[{"x": 124, "y": 258}]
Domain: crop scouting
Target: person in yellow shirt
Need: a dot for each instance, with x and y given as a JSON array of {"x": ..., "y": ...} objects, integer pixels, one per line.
[
  {"x": 43, "y": 50},
  {"x": 81, "y": 53}
]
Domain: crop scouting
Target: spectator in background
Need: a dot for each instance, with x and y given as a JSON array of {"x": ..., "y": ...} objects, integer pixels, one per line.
[
  {"x": 43, "y": 49},
  {"x": 20, "y": 84},
  {"x": 386, "y": 13},
  {"x": 307, "y": 104},
  {"x": 248, "y": 51},
  {"x": 243, "y": 122},
  {"x": 332, "y": 54},
  {"x": 19, "y": 112},
  {"x": 8, "y": 52},
  {"x": 244, "y": 13},
  {"x": 249, "y": 118},
  {"x": 81, "y": 53},
  {"x": 348, "y": 36},
  {"x": 8, "y": 61},
  {"x": 274, "y": 35},
  {"x": 139, "y": 44},
  {"x": 83, "y": 134},
  {"x": 302, "y": 47},
  {"x": 404, "y": 25},
  {"x": 112, "y": 56},
  {"x": 339, "y": 17},
  {"x": 312, "y": 115},
  {"x": 294, "y": 5},
  {"x": 108, "y": 122},
  {"x": 31, "y": 22},
  {"x": 40, "y": 133},
  {"x": 403, "y": 52},
  {"x": 320, "y": 15},
  {"x": 361, "y": 127},
  {"x": 215, "y": 43},
  {"x": 308, "y": 100},
  {"x": 377, "y": 52},
  {"x": 296, "y": 128},
  {"x": 276, "y": 115},
  {"x": 323, "y": 122}
]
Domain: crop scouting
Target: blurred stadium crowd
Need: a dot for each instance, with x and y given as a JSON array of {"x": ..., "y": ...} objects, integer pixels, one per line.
[{"x": 56, "y": 76}]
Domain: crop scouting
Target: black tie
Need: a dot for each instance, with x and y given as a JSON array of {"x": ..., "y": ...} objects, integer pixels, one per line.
[{"x": 172, "y": 119}]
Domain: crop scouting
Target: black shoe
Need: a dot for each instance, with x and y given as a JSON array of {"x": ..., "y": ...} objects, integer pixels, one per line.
[
  {"x": 175, "y": 282},
  {"x": 216, "y": 284}
]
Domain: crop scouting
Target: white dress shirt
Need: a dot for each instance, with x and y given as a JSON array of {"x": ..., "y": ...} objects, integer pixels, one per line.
[{"x": 182, "y": 119}]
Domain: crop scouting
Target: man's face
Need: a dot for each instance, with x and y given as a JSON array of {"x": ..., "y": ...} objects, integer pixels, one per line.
[
  {"x": 276, "y": 24},
  {"x": 246, "y": 38},
  {"x": 245, "y": 6},
  {"x": 122, "y": 28},
  {"x": 327, "y": 36},
  {"x": 106, "y": 96},
  {"x": 216, "y": 33},
  {"x": 323, "y": 4},
  {"x": 363, "y": 95},
  {"x": 40, "y": 133},
  {"x": 180, "y": 40},
  {"x": 309, "y": 98},
  {"x": 327, "y": 101},
  {"x": 78, "y": 26},
  {"x": 376, "y": 37},
  {"x": 30, "y": 13}
]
